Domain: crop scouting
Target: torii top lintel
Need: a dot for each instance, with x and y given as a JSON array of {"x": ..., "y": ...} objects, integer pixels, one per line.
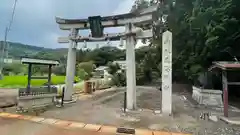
[{"x": 142, "y": 17}]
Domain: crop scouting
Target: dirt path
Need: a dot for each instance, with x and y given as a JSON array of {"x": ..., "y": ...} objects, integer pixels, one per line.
[
  {"x": 8, "y": 97},
  {"x": 106, "y": 110},
  {"x": 88, "y": 110}
]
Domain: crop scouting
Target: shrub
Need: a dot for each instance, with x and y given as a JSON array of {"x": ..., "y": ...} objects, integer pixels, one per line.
[{"x": 119, "y": 79}]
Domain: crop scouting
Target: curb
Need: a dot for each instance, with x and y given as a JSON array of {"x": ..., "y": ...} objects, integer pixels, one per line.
[
  {"x": 78, "y": 125},
  {"x": 225, "y": 119}
]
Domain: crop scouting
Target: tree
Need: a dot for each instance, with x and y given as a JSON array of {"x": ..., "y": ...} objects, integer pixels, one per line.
[
  {"x": 119, "y": 78},
  {"x": 113, "y": 68},
  {"x": 101, "y": 56},
  {"x": 13, "y": 68},
  {"x": 118, "y": 75},
  {"x": 203, "y": 31},
  {"x": 139, "y": 5},
  {"x": 59, "y": 70},
  {"x": 148, "y": 58},
  {"x": 82, "y": 74},
  {"x": 208, "y": 29},
  {"x": 87, "y": 67}
]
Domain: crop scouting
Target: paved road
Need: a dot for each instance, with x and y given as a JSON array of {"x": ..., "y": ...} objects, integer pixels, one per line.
[{"x": 21, "y": 127}]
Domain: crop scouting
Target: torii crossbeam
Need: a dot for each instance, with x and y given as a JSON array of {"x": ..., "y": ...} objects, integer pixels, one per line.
[{"x": 131, "y": 21}]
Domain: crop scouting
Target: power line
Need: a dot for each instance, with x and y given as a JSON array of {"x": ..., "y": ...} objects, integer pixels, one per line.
[
  {"x": 9, "y": 27},
  {"x": 5, "y": 45}
]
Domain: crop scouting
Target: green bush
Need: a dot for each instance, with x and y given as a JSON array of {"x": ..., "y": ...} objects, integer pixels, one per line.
[{"x": 119, "y": 79}]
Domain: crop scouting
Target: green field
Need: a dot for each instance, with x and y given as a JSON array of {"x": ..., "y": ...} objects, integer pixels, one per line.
[{"x": 21, "y": 81}]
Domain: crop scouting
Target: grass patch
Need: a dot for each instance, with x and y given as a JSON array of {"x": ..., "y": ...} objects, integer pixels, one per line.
[{"x": 21, "y": 81}]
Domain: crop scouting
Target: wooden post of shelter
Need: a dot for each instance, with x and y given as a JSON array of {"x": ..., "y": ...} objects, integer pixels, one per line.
[
  {"x": 32, "y": 62},
  {"x": 224, "y": 67}
]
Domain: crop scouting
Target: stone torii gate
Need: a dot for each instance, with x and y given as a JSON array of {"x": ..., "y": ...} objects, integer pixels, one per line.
[{"x": 131, "y": 21}]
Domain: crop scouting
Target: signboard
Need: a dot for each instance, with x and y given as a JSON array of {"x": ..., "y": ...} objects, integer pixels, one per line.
[
  {"x": 167, "y": 72},
  {"x": 96, "y": 26}
]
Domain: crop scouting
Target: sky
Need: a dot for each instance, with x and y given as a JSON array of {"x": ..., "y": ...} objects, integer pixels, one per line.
[{"x": 34, "y": 21}]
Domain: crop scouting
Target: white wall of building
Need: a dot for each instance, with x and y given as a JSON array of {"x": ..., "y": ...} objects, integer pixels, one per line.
[{"x": 8, "y": 60}]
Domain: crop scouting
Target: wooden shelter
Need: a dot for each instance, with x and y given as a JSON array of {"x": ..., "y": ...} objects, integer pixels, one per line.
[
  {"x": 31, "y": 62},
  {"x": 225, "y": 67}
]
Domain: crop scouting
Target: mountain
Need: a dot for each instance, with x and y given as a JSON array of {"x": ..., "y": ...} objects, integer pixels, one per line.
[{"x": 18, "y": 50}]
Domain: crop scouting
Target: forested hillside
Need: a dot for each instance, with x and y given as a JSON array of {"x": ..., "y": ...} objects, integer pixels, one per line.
[
  {"x": 203, "y": 31},
  {"x": 17, "y": 50}
]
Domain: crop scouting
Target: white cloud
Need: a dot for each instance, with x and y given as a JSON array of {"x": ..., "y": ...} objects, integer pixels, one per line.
[
  {"x": 51, "y": 39},
  {"x": 124, "y": 7},
  {"x": 34, "y": 21}
]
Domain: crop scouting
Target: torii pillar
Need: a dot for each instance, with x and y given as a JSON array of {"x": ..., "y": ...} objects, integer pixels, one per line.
[
  {"x": 143, "y": 17},
  {"x": 71, "y": 66},
  {"x": 131, "y": 68}
]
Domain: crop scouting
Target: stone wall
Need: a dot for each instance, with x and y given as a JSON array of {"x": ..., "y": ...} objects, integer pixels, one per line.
[
  {"x": 37, "y": 98},
  {"x": 35, "y": 101},
  {"x": 207, "y": 97}
]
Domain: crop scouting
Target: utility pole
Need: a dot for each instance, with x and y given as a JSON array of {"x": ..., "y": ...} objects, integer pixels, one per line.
[
  {"x": 3, "y": 51},
  {"x": 5, "y": 45},
  {"x": 1, "y": 59}
]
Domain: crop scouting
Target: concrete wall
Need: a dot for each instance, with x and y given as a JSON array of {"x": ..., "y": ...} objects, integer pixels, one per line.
[{"x": 208, "y": 97}]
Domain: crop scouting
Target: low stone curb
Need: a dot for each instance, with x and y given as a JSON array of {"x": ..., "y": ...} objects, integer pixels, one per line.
[
  {"x": 77, "y": 125},
  {"x": 234, "y": 122}
]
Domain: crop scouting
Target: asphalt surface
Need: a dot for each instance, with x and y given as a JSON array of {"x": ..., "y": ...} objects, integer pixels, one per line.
[{"x": 22, "y": 127}]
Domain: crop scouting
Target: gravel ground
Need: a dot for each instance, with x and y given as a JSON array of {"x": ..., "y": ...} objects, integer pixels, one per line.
[
  {"x": 185, "y": 115},
  {"x": 205, "y": 127},
  {"x": 105, "y": 108}
]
